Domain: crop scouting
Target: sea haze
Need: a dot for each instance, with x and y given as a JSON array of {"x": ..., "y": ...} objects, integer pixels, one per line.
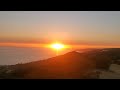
[{"x": 14, "y": 55}]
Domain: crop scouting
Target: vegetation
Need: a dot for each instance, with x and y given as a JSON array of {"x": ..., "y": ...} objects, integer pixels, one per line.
[{"x": 71, "y": 65}]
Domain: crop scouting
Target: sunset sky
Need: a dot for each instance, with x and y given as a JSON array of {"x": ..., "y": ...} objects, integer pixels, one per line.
[{"x": 87, "y": 28}]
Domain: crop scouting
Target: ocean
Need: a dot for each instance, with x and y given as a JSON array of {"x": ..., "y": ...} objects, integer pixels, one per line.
[{"x": 15, "y": 55}]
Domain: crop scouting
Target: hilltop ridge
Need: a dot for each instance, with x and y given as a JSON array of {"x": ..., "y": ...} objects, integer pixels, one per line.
[{"x": 72, "y": 65}]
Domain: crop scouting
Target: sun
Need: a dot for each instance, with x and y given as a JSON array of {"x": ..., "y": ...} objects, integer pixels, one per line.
[{"x": 57, "y": 46}]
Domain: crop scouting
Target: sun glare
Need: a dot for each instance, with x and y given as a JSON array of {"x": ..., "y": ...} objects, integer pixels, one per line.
[{"x": 57, "y": 46}]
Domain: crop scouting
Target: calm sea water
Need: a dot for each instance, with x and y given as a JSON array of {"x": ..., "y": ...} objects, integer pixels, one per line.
[{"x": 14, "y": 55}]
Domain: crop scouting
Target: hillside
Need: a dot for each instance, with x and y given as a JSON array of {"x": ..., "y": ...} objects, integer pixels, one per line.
[{"x": 72, "y": 65}]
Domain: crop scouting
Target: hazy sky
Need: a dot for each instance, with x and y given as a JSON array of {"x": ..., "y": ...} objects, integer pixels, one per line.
[{"x": 89, "y": 27}]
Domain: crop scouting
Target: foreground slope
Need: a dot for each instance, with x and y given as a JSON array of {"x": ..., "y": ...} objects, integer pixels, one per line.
[{"x": 72, "y": 65}]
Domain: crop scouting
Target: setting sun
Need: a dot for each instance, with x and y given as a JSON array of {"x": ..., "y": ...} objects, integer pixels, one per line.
[{"x": 57, "y": 46}]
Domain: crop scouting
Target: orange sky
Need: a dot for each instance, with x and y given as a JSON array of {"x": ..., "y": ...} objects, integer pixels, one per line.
[
  {"x": 77, "y": 29},
  {"x": 72, "y": 46}
]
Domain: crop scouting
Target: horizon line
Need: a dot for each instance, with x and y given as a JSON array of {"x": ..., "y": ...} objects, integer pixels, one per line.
[{"x": 14, "y": 44}]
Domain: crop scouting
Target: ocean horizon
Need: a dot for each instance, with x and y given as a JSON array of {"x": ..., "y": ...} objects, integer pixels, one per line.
[{"x": 15, "y": 55}]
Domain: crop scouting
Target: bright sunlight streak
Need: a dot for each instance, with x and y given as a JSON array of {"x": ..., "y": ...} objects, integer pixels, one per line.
[{"x": 57, "y": 46}]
